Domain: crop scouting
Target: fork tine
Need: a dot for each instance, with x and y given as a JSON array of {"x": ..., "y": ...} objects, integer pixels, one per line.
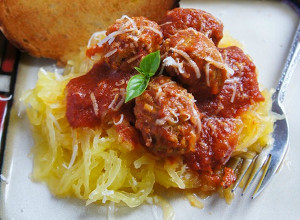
[
  {"x": 271, "y": 168},
  {"x": 257, "y": 165},
  {"x": 243, "y": 170},
  {"x": 277, "y": 153},
  {"x": 264, "y": 178},
  {"x": 234, "y": 162}
]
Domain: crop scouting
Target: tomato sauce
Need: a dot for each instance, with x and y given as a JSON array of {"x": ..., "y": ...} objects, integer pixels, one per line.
[
  {"x": 84, "y": 110},
  {"x": 239, "y": 91},
  {"x": 97, "y": 99},
  {"x": 218, "y": 138}
]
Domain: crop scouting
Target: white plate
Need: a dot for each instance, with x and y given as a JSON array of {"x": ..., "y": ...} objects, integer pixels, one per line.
[{"x": 266, "y": 29}]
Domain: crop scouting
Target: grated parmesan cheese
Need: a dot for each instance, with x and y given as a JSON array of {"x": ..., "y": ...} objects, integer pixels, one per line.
[
  {"x": 122, "y": 81},
  {"x": 115, "y": 105},
  {"x": 166, "y": 23},
  {"x": 113, "y": 35},
  {"x": 96, "y": 36},
  {"x": 169, "y": 61},
  {"x": 131, "y": 21},
  {"x": 111, "y": 52},
  {"x": 233, "y": 93},
  {"x": 219, "y": 65},
  {"x": 95, "y": 104},
  {"x": 207, "y": 65},
  {"x": 154, "y": 30},
  {"x": 134, "y": 58},
  {"x": 189, "y": 60},
  {"x": 120, "y": 121}
]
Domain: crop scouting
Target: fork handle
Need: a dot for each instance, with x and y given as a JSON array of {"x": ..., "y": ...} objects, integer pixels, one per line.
[{"x": 289, "y": 67}]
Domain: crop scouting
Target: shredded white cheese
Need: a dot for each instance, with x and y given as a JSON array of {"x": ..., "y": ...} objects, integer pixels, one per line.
[
  {"x": 160, "y": 121},
  {"x": 188, "y": 116},
  {"x": 96, "y": 36},
  {"x": 233, "y": 93},
  {"x": 189, "y": 60},
  {"x": 120, "y": 121},
  {"x": 121, "y": 82},
  {"x": 112, "y": 35},
  {"x": 131, "y": 21},
  {"x": 95, "y": 104},
  {"x": 111, "y": 52},
  {"x": 154, "y": 30},
  {"x": 115, "y": 105},
  {"x": 125, "y": 28},
  {"x": 166, "y": 23},
  {"x": 134, "y": 58},
  {"x": 207, "y": 65},
  {"x": 161, "y": 70},
  {"x": 219, "y": 65},
  {"x": 169, "y": 61}
]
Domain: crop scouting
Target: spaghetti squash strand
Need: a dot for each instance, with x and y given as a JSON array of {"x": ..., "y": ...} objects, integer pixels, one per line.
[{"x": 103, "y": 168}]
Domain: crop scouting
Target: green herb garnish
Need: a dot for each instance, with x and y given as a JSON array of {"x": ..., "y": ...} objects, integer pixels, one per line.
[{"x": 138, "y": 83}]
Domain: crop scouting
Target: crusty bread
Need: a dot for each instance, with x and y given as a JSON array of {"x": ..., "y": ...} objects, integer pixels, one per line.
[{"x": 57, "y": 29}]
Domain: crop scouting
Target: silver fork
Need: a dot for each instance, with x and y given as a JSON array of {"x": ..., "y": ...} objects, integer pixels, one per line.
[{"x": 271, "y": 157}]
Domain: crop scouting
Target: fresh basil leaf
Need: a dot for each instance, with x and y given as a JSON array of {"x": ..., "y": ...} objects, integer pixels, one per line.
[
  {"x": 136, "y": 86},
  {"x": 151, "y": 74},
  {"x": 139, "y": 70},
  {"x": 138, "y": 83},
  {"x": 150, "y": 63}
]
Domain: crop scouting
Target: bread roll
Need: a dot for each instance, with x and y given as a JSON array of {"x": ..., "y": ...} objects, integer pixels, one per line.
[{"x": 57, "y": 29}]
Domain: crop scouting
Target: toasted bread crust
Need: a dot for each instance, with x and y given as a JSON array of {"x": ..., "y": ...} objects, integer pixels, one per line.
[{"x": 58, "y": 29}]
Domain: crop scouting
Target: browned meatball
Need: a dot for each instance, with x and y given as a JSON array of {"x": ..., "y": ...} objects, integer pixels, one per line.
[
  {"x": 183, "y": 18},
  {"x": 128, "y": 40},
  {"x": 195, "y": 61},
  {"x": 168, "y": 118},
  {"x": 239, "y": 92}
]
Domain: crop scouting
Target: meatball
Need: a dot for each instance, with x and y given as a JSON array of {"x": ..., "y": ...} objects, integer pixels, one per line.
[
  {"x": 195, "y": 61},
  {"x": 183, "y": 18},
  {"x": 239, "y": 92},
  {"x": 128, "y": 40},
  {"x": 168, "y": 118}
]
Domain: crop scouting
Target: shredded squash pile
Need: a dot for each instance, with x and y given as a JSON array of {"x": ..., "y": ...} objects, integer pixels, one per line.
[{"x": 94, "y": 165}]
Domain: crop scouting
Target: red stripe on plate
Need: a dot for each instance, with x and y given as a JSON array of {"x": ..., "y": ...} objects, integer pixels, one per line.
[
  {"x": 9, "y": 58},
  {"x": 3, "y": 110}
]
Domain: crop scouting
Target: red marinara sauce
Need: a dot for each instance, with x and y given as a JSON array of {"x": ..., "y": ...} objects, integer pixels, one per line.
[
  {"x": 239, "y": 91},
  {"x": 98, "y": 98}
]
